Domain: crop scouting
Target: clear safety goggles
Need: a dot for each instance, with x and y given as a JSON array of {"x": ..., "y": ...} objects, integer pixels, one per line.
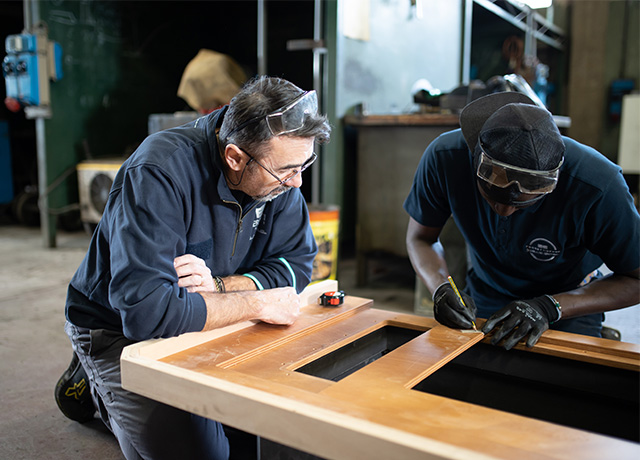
[
  {"x": 291, "y": 117},
  {"x": 528, "y": 181},
  {"x": 287, "y": 119}
]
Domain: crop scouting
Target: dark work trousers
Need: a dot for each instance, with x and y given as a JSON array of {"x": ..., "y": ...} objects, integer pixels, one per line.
[{"x": 145, "y": 429}]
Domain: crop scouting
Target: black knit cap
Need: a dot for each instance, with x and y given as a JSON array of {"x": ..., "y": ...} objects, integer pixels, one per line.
[{"x": 513, "y": 130}]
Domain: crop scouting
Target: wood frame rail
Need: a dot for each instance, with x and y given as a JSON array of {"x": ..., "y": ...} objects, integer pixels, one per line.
[{"x": 248, "y": 376}]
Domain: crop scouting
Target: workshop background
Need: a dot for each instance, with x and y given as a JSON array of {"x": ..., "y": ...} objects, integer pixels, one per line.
[{"x": 391, "y": 75}]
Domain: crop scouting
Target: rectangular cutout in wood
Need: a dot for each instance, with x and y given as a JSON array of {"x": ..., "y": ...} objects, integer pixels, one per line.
[{"x": 357, "y": 354}]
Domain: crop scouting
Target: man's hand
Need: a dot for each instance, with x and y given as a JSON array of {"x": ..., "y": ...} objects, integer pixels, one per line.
[
  {"x": 519, "y": 319},
  {"x": 279, "y": 306},
  {"x": 450, "y": 311},
  {"x": 193, "y": 274}
]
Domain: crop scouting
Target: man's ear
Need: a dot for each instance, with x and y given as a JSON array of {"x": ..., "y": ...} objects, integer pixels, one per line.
[{"x": 234, "y": 157}]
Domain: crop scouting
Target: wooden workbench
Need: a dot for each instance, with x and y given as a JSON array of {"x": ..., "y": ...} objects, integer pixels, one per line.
[{"x": 354, "y": 383}]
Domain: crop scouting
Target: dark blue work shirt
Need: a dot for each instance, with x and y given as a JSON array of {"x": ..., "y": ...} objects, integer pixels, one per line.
[{"x": 547, "y": 248}]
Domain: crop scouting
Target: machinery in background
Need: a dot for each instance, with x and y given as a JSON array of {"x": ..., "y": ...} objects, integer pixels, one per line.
[
  {"x": 160, "y": 121},
  {"x": 459, "y": 97},
  {"x": 96, "y": 176},
  {"x": 32, "y": 60}
]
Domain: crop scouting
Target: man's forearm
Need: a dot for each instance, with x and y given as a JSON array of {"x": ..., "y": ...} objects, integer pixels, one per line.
[
  {"x": 235, "y": 283},
  {"x": 275, "y": 306},
  {"x": 426, "y": 254},
  {"x": 612, "y": 293},
  {"x": 230, "y": 308},
  {"x": 428, "y": 262}
]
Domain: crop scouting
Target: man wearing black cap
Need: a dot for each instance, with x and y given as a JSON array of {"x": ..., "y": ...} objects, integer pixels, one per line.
[{"x": 540, "y": 214}]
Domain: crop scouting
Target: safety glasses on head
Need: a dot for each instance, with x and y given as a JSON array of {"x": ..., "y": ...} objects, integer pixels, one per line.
[
  {"x": 287, "y": 119},
  {"x": 528, "y": 181},
  {"x": 290, "y": 118}
]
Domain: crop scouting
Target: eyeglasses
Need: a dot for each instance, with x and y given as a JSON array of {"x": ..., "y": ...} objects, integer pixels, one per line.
[
  {"x": 503, "y": 175},
  {"x": 287, "y": 119},
  {"x": 291, "y": 175}
]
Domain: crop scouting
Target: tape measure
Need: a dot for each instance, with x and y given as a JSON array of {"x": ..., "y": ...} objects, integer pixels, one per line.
[{"x": 331, "y": 299}]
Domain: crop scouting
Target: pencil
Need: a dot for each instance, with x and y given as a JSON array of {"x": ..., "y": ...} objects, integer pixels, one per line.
[{"x": 455, "y": 288}]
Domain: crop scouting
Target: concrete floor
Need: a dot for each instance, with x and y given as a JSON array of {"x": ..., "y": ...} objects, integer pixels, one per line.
[{"x": 34, "y": 350}]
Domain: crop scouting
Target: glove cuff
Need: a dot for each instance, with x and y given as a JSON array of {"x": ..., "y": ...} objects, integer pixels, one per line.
[{"x": 433, "y": 296}]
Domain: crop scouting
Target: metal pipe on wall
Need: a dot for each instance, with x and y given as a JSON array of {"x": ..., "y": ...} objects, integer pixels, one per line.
[
  {"x": 466, "y": 42},
  {"x": 262, "y": 38},
  {"x": 31, "y": 10},
  {"x": 530, "y": 48},
  {"x": 320, "y": 78},
  {"x": 318, "y": 54},
  {"x": 26, "y": 9}
]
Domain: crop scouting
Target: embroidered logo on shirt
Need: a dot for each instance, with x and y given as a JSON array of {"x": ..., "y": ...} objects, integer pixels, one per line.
[{"x": 542, "y": 249}]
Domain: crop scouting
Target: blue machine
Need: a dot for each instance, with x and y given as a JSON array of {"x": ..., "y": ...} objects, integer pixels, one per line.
[{"x": 31, "y": 61}]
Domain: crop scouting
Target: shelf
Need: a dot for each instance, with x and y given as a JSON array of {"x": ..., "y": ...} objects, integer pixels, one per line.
[{"x": 533, "y": 24}]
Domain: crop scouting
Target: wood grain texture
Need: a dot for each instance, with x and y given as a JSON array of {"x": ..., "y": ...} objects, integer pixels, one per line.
[{"x": 249, "y": 378}]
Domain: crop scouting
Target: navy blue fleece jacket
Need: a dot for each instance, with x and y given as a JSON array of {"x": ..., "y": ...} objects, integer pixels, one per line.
[{"x": 168, "y": 199}]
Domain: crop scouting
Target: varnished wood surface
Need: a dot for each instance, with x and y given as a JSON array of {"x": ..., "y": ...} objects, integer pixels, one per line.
[
  {"x": 248, "y": 378},
  {"x": 609, "y": 353}
]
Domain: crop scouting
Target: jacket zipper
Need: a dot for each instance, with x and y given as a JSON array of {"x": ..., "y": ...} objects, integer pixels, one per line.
[{"x": 239, "y": 226}]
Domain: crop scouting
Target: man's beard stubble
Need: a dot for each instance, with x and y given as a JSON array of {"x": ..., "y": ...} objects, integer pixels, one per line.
[{"x": 276, "y": 192}]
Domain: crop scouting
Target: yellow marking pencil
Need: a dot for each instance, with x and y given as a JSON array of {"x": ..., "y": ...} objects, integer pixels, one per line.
[{"x": 455, "y": 288}]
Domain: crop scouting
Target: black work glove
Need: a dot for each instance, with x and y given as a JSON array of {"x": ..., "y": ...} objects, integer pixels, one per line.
[
  {"x": 449, "y": 310},
  {"x": 519, "y": 318}
]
